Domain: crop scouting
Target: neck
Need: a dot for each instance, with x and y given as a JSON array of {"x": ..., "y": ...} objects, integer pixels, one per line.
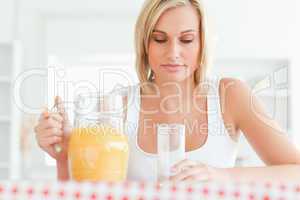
[
  {"x": 184, "y": 89},
  {"x": 175, "y": 96}
]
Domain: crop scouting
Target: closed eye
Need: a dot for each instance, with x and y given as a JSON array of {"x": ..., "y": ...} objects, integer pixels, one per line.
[
  {"x": 160, "y": 40},
  {"x": 186, "y": 41}
]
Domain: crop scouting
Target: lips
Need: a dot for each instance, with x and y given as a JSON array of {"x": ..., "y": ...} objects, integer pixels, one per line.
[{"x": 172, "y": 67}]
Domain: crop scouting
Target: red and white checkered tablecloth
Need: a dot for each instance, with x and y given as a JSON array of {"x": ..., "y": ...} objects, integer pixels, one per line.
[{"x": 22, "y": 190}]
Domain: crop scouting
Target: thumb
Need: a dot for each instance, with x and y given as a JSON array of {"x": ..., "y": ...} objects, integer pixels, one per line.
[
  {"x": 58, "y": 103},
  {"x": 62, "y": 111}
]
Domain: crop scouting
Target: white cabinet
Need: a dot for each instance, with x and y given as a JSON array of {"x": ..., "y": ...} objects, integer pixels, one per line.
[
  {"x": 10, "y": 59},
  {"x": 7, "y": 20}
]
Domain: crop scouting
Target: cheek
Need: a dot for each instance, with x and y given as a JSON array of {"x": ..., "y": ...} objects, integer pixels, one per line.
[
  {"x": 154, "y": 56},
  {"x": 191, "y": 56}
]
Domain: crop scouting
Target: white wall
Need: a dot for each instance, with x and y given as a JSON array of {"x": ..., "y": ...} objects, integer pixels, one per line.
[
  {"x": 7, "y": 21},
  {"x": 251, "y": 28},
  {"x": 36, "y": 18}
]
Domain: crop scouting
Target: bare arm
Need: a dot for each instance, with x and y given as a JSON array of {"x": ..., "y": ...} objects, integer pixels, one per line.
[
  {"x": 62, "y": 170},
  {"x": 263, "y": 133},
  {"x": 265, "y": 136},
  {"x": 279, "y": 173}
]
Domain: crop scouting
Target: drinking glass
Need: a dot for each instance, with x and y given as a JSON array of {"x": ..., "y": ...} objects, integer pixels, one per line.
[{"x": 170, "y": 148}]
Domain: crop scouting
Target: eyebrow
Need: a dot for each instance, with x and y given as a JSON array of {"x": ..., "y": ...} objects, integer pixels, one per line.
[{"x": 186, "y": 31}]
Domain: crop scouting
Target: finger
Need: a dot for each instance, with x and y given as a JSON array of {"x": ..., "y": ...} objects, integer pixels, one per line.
[
  {"x": 48, "y": 141},
  {"x": 44, "y": 115},
  {"x": 52, "y": 132},
  {"x": 43, "y": 133},
  {"x": 57, "y": 117},
  {"x": 47, "y": 115},
  {"x": 61, "y": 109},
  {"x": 47, "y": 123},
  {"x": 186, "y": 173},
  {"x": 50, "y": 123},
  {"x": 197, "y": 178},
  {"x": 183, "y": 164},
  {"x": 59, "y": 105}
]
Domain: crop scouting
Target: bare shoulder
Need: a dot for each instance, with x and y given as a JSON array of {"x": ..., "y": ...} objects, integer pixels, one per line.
[
  {"x": 234, "y": 95},
  {"x": 234, "y": 90},
  {"x": 238, "y": 100},
  {"x": 233, "y": 86}
]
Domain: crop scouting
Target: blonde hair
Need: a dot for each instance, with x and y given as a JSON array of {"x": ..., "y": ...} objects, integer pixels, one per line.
[{"x": 150, "y": 13}]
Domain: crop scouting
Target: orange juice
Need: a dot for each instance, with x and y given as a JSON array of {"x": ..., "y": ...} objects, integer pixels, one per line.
[{"x": 98, "y": 154}]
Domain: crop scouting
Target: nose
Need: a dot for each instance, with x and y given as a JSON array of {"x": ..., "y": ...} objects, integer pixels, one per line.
[{"x": 173, "y": 51}]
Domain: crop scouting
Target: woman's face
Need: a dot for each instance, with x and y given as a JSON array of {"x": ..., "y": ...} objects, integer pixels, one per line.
[{"x": 174, "y": 45}]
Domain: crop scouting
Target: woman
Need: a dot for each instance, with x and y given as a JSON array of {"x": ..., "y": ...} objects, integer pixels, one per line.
[{"x": 171, "y": 62}]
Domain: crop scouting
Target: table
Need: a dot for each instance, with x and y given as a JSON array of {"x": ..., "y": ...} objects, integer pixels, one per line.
[{"x": 40, "y": 190}]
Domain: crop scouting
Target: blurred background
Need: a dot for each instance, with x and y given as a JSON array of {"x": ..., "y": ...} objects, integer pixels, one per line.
[{"x": 43, "y": 42}]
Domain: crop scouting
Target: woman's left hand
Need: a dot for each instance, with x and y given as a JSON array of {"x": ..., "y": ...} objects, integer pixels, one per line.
[{"x": 192, "y": 171}]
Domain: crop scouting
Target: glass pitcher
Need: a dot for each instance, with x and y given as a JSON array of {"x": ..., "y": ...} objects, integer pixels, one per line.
[{"x": 98, "y": 147}]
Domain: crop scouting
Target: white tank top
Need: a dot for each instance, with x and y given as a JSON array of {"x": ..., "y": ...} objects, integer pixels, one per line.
[{"x": 219, "y": 150}]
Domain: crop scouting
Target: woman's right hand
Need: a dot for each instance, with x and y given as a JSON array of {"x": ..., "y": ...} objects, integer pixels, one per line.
[{"x": 53, "y": 128}]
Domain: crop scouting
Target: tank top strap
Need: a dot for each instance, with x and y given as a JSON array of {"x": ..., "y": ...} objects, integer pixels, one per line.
[{"x": 213, "y": 99}]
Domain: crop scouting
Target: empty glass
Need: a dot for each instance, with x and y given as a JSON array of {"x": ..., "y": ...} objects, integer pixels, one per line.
[{"x": 170, "y": 148}]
